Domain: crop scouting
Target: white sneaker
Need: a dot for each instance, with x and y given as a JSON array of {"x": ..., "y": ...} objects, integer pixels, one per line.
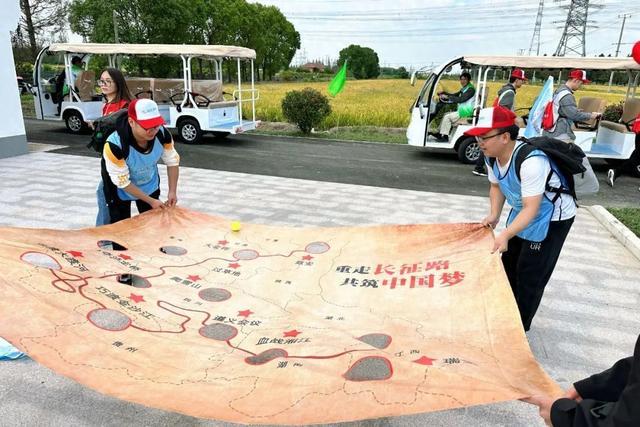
[{"x": 611, "y": 177}]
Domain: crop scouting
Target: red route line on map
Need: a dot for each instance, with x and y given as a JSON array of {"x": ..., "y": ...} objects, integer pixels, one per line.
[{"x": 187, "y": 318}]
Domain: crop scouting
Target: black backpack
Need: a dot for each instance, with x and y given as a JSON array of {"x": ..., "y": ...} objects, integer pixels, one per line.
[
  {"x": 103, "y": 127},
  {"x": 567, "y": 157}
]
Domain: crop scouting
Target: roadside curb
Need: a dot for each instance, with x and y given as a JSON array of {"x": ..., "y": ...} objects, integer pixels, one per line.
[{"x": 618, "y": 229}]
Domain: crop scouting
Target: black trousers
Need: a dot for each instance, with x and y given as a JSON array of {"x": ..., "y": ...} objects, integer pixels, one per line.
[
  {"x": 121, "y": 209},
  {"x": 529, "y": 266},
  {"x": 480, "y": 165}
]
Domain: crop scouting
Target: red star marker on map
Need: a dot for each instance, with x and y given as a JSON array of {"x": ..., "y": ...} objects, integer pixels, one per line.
[
  {"x": 194, "y": 278},
  {"x": 223, "y": 242},
  {"x": 307, "y": 257},
  {"x": 292, "y": 333},
  {"x": 424, "y": 360},
  {"x": 136, "y": 298},
  {"x": 124, "y": 256},
  {"x": 75, "y": 253},
  {"x": 245, "y": 313},
  {"x": 234, "y": 265}
]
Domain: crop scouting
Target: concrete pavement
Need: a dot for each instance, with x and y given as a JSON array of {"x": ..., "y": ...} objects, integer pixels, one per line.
[{"x": 589, "y": 316}]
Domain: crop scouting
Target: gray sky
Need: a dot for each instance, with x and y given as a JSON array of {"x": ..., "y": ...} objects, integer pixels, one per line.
[{"x": 417, "y": 32}]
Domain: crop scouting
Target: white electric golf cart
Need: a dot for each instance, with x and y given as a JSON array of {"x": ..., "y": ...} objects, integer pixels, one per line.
[
  {"x": 600, "y": 139},
  {"x": 191, "y": 106}
]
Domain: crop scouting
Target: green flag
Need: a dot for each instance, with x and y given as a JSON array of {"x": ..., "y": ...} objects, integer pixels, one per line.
[{"x": 337, "y": 84}]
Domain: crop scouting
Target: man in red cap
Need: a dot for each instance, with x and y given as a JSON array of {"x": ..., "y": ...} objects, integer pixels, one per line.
[
  {"x": 130, "y": 162},
  {"x": 540, "y": 218},
  {"x": 506, "y": 98},
  {"x": 568, "y": 112}
]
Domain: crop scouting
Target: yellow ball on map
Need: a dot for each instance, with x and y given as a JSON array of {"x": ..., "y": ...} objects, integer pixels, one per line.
[{"x": 235, "y": 225}]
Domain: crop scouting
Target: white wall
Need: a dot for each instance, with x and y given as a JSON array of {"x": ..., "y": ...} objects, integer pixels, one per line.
[{"x": 12, "y": 133}]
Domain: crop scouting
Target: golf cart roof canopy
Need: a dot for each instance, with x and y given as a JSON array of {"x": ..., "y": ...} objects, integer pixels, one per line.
[
  {"x": 211, "y": 51},
  {"x": 557, "y": 62}
]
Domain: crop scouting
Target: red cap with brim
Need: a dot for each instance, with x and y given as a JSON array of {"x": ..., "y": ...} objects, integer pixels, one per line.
[
  {"x": 492, "y": 118},
  {"x": 519, "y": 74},
  {"x": 145, "y": 112},
  {"x": 579, "y": 75}
]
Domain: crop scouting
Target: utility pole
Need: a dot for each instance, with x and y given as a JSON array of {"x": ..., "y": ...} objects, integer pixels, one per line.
[
  {"x": 115, "y": 26},
  {"x": 575, "y": 27},
  {"x": 535, "y": 40},
  {"x": 624, "y": 17}
]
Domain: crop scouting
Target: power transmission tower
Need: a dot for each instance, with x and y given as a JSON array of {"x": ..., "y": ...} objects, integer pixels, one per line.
[
  {"x": 575, "y": 27},
  {"x": 535, "y": 40}
]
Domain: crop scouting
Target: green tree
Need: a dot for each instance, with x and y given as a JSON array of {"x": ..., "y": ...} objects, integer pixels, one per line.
[
  {"x": 363, "y": 61},
  {"x": 274, "y": 38},
  {"x": 225, "y": 22},
  {"x": 41, "y": 22}
]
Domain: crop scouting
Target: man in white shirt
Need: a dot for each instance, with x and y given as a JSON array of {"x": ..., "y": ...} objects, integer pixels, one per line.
[{"x": 540, "y": 218}]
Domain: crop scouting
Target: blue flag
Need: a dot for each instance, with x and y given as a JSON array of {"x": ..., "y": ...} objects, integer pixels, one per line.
[{"x": 534, "y": 125}]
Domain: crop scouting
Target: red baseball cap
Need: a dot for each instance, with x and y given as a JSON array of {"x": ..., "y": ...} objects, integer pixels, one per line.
[
  {"x": 519, "y": 74},
  {"x": 579, "y": 75},
  {"x": 492, "y": 118},
  {"x": 145, "y": 112}
]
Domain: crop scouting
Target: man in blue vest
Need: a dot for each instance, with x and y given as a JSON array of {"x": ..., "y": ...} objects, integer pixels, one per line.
[
  {"x": 130, "y": 162},
  {"x": 539, "y": 220}
]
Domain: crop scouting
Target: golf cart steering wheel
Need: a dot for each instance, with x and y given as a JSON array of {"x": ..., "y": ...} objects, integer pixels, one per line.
[
  {"x": 201, "y": 100},
  {"x": 137, "y": 94},
  {"x": 175, "y": 95},
  {"x": 525, "y": 117},
  {"x": 230, "y": 94}
]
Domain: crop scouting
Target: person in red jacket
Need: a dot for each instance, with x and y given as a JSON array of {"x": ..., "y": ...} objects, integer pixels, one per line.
[
  {"x": 116, "y": 97},
  {"x": 115, "y": 91},
  {"x": 608, "y": 399}
]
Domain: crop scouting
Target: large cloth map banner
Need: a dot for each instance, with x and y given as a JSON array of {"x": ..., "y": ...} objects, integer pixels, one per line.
[{"x": 270, "y": 325}]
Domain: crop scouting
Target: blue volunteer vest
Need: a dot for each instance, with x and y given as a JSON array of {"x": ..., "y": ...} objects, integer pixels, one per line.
[
  {"x": 511, "y": 187},
  {"x": 143, "y": 167}
]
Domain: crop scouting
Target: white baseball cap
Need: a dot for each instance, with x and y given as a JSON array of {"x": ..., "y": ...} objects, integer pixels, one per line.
[{"x": 145, "y": 112}]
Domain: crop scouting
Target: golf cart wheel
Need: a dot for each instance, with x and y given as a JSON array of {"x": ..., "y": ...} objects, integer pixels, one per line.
[
  {"x": 469, "y": 151},
  {"x": 74, "y": 122},
  {"x": 189, "y": 131},
  {"x": 220, "y": 135}
]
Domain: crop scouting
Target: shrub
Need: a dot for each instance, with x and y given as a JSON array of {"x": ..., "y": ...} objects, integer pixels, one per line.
[
  {"x": 305, "y": 108},
  {"x": 613, "y": 112}
]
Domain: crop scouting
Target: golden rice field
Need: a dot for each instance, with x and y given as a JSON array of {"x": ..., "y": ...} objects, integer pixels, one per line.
[{"x": 386, "y": 103}]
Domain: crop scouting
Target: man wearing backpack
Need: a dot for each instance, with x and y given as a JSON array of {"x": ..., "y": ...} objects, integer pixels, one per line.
[
  {"x": 567, "y": 111},
  {"x": 506, "y": 98},
  {"x": 542, "y": 208},
  {"x": 130, "y": 162}
]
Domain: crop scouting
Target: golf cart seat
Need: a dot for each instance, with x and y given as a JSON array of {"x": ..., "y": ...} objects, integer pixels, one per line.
[
  {"x": 630, "y": 111},
  {"x": 590, "y": 104},
  {"x": 85, "y": 83},
  {"x": 140, "y": 87},
  {"x": 212, "y": 89},
  {"x": 164, "y": 89}
]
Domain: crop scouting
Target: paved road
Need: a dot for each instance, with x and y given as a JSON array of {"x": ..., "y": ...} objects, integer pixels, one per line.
[{"x": 372, "y": 164}]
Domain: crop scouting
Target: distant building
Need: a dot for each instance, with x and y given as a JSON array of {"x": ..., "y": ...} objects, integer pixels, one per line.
[{"x": 313, "y": 67}]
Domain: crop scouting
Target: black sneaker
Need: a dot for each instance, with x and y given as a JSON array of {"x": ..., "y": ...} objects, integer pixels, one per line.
[{"x": 479, "y": 172}]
